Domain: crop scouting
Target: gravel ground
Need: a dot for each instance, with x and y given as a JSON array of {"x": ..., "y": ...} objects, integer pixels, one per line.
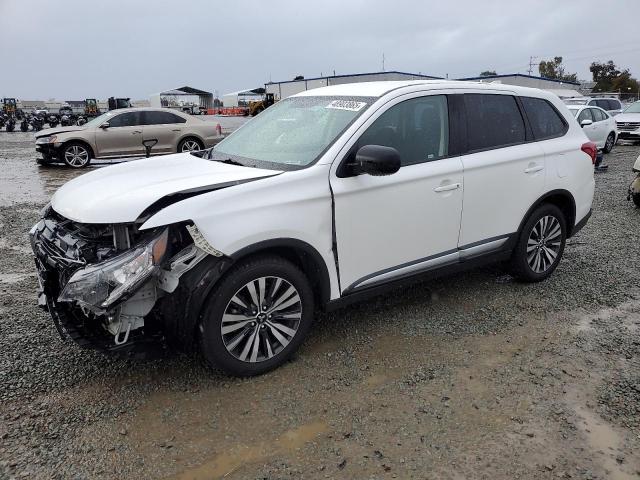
[{"x": 472, "y": 376}]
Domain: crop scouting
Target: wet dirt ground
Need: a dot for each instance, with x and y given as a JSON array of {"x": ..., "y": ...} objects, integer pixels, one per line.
[{"x": 473, "y": 376}]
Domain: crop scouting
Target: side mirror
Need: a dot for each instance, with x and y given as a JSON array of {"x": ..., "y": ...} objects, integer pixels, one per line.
[
  {"x": 377, "y": 160},
  {"x": 105, "y": 125},
  {"x": 585, "y": 123}
]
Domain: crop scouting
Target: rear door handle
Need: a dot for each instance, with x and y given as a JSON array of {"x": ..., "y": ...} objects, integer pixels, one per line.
[
  {"x": 446, "y": 188},
  {"x": 533, "y": 169}
]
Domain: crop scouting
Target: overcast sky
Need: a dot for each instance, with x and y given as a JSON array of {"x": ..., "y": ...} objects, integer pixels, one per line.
[{"x": 74, "y": 49}]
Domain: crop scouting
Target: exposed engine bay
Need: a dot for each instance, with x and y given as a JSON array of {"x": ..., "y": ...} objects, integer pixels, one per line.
[{"x": 102, "y": 283}]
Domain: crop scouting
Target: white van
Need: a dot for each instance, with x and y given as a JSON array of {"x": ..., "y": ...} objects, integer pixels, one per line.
[{"x": 324, "y": 198}]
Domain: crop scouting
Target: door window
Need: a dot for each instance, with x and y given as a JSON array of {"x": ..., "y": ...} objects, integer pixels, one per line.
[
  {"x": 545, "y": 120},
  {"x": 598, "y": 115},
  {"x": 161, "y": 118},
  {"x": 585, "y": 115},
  {"x": 614, "y": 105},
  {"x": 417, "y": 128},
  {"x": 128, "y": 119},
  {"x": 493, "y": 121}
]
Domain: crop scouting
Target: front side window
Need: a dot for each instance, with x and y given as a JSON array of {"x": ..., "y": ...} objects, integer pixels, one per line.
[
  {"x": 493, "y": 121},
  {"x": 614, "y": 105},
  {"x": 585, "y": 115},
  {"x": 545, "y": 120},
  {"x": 417, "y": 128},
  {"x": 128, "y": 119},
  {"x": 293, "y": 133},
  {"x": 598, "y": 115}
]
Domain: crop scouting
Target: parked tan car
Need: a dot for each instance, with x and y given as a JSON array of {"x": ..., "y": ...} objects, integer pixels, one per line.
[{"x": 120, "y": 133}]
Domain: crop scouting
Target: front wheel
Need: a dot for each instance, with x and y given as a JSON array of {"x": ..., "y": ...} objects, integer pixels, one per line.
[
  {"x": 541, "y": 244},
  {"x": 257, "y": 317},
  {"x": 636, "y": 199},
  {"x": 76, "y": 155},
  {"x": 608, "y": 145}
]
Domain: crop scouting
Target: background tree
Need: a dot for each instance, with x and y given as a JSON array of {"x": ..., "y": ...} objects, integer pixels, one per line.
[
  {"x": 555, "y": 70},
  {"x": 488, "y": 73},
  {"x": 609, "y": 78}
]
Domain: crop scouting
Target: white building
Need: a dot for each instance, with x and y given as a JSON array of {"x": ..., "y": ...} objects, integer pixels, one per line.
[{"x": 291, "y": 87}]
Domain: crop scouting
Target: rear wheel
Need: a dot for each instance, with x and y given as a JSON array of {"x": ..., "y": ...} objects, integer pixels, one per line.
[
  {"x": 636, "y": 199},
  {"x": 257, "y": 317},
  {"x": 541, "y": 244},
  {"x": 190, "y": 145},
  {"x": 608, "y": 145},
  {"x": 76, "y": 155}
]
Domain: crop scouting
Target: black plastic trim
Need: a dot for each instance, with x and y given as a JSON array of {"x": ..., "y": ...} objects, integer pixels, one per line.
[{"x": 580, "y": 225}]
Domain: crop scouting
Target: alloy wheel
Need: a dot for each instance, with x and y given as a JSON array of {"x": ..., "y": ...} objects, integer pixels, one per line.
[
  {"x": 190, "y": 146},
  {"x": 261, "y": 319},
  {"x": 544, "y": 243},
  {"x": 76, "y": 156},
  {"x": 609, "y": 145}
]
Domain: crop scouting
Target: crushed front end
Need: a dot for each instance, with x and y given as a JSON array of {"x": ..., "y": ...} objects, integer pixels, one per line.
[{"x": 107, "y": 286}]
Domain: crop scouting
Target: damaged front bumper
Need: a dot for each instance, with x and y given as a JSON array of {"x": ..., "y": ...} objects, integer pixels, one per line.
[{"x": 101, "y": 284}]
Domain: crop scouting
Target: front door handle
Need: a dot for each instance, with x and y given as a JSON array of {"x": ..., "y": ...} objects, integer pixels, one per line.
[
  {"x": 135, "y": 132},
  {"x": 446, "y": 188},
  {"x": 533, "y": 169}
]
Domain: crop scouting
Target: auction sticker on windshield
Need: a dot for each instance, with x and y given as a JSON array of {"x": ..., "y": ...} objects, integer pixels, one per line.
[{"x": 346, "y": 105}]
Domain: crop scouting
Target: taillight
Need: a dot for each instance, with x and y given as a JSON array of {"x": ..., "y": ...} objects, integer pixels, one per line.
[{"x": 590, "y": 149}]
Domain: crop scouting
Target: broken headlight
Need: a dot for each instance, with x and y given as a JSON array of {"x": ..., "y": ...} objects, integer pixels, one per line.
[{"x": 99, "y": 286}]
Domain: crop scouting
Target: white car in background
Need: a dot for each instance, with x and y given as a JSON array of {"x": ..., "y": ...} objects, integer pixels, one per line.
[
  {"x": 612, "y": 106},
  {"x": 628, "y": 122},
  {"x": 597, "y": 124}
]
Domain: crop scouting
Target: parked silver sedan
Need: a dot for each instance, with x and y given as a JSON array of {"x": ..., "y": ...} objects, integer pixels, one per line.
[{"x": 121, "y": 133}]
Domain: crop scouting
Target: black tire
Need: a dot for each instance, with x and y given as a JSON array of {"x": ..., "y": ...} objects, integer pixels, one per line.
[
  {"x": 521, "y": 258},
  {"x": 224, "y": 351},
  {"x": 611, "y": 141},
  {"x": 76, "y": 155},
  {"x": 189, "y": 141},
  {"x": 636, "y": 199}
]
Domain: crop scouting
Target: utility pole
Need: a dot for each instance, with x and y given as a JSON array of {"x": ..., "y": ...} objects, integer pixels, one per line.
[
  {"x": 383, "y": 61},
  {"x": 531, "y": 64}
]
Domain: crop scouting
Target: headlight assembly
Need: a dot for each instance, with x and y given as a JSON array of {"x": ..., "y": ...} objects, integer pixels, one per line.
[{"x": 98, "y": 287}]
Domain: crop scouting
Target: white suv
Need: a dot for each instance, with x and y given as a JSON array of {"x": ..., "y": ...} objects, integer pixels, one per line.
[{"x": 326, "y": 197}]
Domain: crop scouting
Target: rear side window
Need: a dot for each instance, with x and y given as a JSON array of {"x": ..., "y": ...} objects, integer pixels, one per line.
[
  {"x": 493, "y": 121},
  {"x": 545, "y": 120},
  {"x": 161, "y": 118},
  {"x": 614, "y": 105}
]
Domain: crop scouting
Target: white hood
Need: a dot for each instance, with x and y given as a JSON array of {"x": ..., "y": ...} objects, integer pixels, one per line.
[
  {"x": 120, "y": 193},
  {"x": 627, "y": 117}
]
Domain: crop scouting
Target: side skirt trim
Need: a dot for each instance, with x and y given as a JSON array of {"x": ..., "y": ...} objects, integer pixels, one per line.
[{"x": 450, "y": 257}]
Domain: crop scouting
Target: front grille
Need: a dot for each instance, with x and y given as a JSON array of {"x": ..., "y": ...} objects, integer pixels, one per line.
[{"x": 628, "y": 126}]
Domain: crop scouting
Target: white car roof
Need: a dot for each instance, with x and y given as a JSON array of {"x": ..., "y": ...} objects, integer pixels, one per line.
[{"x": 378, "y": 89}]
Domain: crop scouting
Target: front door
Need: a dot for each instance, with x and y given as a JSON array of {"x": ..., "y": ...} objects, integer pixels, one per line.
[
  {"x": 391, "y": 226},
  {"x": 123, "y": 136}
]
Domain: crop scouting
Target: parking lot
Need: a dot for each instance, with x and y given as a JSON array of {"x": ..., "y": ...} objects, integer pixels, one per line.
[{"x": 470, "y": 376}]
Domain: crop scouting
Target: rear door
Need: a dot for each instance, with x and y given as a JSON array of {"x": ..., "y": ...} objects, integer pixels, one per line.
[
  {"x": 504, "y": 172},
  {"x": 123, "y": 136},
  {"x": 602, "y": 128},
  {"x": 166, "y": 127}
]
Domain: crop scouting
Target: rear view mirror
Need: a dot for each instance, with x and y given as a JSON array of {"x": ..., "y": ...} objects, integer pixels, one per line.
[
  {"x": 585, "y": 123},
  {"x": 377, "y": 160}
]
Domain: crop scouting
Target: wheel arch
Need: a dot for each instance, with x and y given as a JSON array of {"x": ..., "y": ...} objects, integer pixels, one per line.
[
  {"x": 301, "y": 254},
  {"x": 563, "y": 199},
  {"x": 188, "y": 135},
  {"x": 78, "y": 140}
]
